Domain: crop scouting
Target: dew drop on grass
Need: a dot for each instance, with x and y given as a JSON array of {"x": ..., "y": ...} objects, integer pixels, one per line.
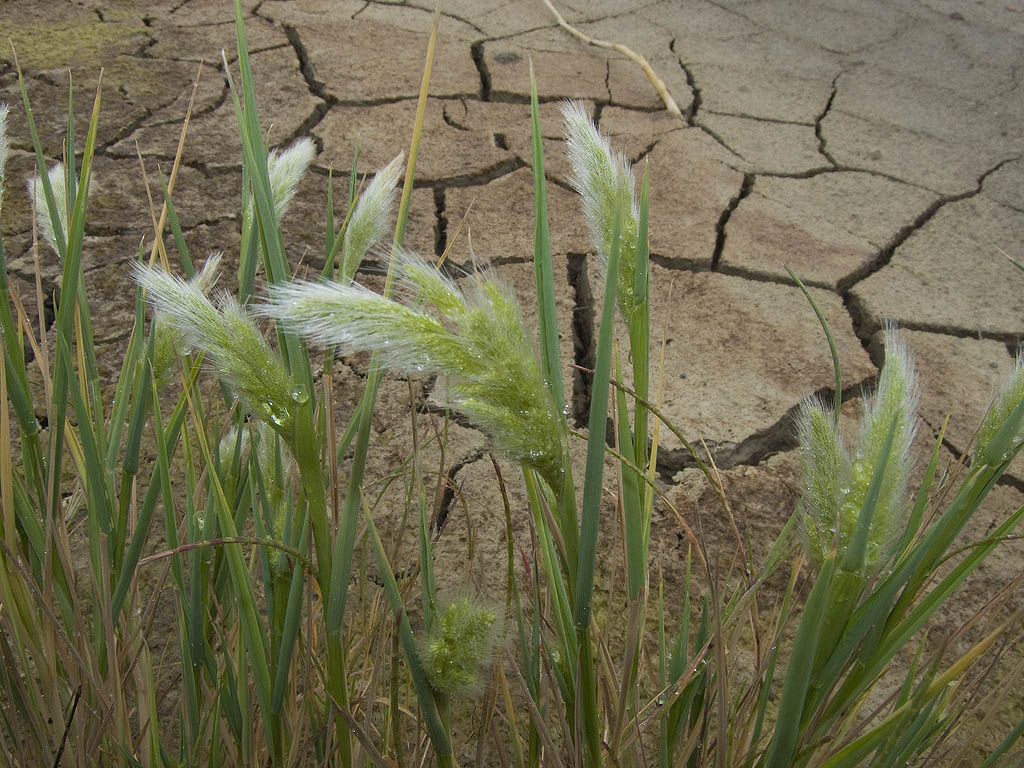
[{"x": 299, "y": 394}]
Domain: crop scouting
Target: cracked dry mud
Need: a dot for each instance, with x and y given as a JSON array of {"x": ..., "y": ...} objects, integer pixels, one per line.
[{"x": 875, "y": 147}]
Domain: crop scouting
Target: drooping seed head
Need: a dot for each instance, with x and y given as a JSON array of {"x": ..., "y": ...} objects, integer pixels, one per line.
[
  {"x": 232, "y": 344},
  {"x": 353, "y": 318},
  {"x": 169, "y": 341},
  {"x": 474, "y": 342}
]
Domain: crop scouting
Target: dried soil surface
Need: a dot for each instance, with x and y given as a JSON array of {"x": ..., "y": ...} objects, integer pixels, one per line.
[{"x": 875, "y": 147}]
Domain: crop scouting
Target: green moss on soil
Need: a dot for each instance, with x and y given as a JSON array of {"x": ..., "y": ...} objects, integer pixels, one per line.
[{"x": 80, "y": 40}]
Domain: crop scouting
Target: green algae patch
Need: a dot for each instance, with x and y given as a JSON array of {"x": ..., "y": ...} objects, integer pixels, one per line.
[{"x": 79, "y": 40}]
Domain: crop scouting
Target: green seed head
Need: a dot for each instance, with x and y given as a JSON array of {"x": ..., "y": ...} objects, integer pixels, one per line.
[
  {"x": 473, "y": 341},
  {"x": 459, "y": 647},
  {"x": 1003, "y": 426},
  {"x": 835, "y": 484},
  {"x": 231, "y": 342},
  {"x": 825, "y": 470},
  {"x": 369, "y": 221},
  {"x": 165, "y": 353}
]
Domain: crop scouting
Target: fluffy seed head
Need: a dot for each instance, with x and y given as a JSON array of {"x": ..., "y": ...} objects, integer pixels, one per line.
[
  {"x": 58, "y": 184},
  {"x": 231, "y": 342},
  {"x": 354, "y": 318},
  {"x": 459, "y": 647},
  {"x": 836, "y": 485},
  {"x": 894, "y": 406},
  {"x": 989, "y": 450},
  {"x": 369, "y": 221},
  {"x": 286, "y": 170},
  {"x": 169, "y": 341},
  {"x": 474, "y": 342},
  {"x": 602, "y": 177},
  {"x": 825, "y": 475}
]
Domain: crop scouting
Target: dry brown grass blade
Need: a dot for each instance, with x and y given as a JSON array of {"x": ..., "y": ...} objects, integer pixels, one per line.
[
  {"x": 538, "y": 720},
  {"x": 158, "y": 235},
  {"x": 633, "y": 632},
  {"x": 656, "y": 81}
]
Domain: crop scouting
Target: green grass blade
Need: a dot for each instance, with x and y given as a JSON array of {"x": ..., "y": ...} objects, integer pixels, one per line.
[
  {"x": 640, "y": 329},
  {"x": 70, "y": 250},
  {"x": 917, "y": 512},
  {"x": 906, "y": 689},
  {"x": 798, "y": 675},
  {"x": 594, "y": 477},
  {"x": 1004, "y": 746},
  {"x": 140, "y": 409},
  {"x": 126, "y": 383},
  {"x": 292, "y": 618},
  {"x": 592, "y": 492},
  {"x": 632, "y": 501},
  {"x": 765, "y": 694},
  {"x": 265, "y": 221},
  {"x": 926, "y": 607},
  {"x": 19, "y": 396},
  {"x": 253, "y": 631},
  {"x": 837, "y": 400},
  {"x": 153, "y": 493}
]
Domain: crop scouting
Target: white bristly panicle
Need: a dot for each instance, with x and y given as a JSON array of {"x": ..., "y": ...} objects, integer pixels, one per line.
[
  {"x": 58, "y": 185},
  {"x": 286, "y": 169},
  {"x": 369, "y": 222}
]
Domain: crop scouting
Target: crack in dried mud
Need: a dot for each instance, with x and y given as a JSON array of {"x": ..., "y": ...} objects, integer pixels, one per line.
[
  {"x": 723, "y": 220},
  {"x": 440, "y": 222},
  {"x": 864, "y": 325},
  {"x": 818, "y": 127},
  {"x": 476, "y": 51},
  {"x": 582, "y": 335}
]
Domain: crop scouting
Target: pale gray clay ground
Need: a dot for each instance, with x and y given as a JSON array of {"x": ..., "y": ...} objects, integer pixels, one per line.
[{"x": 876, "y": 147}]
